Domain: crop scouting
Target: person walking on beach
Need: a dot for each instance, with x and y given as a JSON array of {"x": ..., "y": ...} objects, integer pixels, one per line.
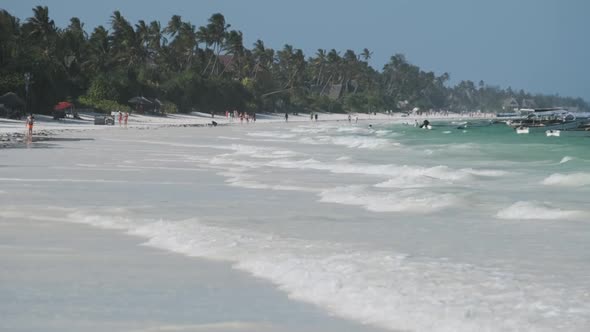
[
  {"x": 286, "y": 117},
  {"x": 126, "y": 118},
  {"x": 120, "y": 116},
  {"x": 29, "y": 123}
]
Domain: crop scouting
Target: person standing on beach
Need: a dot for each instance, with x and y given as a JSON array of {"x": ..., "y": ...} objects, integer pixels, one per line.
[
  {"x": 126, "y": 118},
  {"x": 120, "y": 116},
  {"x": 349, "y": 118},
  {"x": 29, "y": 123},
  {"x": 316, "y": 116},
  {"x": 286, "y": 117}
]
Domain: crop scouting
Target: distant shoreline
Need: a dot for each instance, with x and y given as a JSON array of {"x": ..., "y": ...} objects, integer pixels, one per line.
[{"x": 12, "y": 132}]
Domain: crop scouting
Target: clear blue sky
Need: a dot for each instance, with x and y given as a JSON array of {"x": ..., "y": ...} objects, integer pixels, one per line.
[{"x": 536, "y": 45}]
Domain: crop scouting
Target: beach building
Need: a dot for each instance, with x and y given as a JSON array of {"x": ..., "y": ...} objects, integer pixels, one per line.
[{"x": 510, "y": 104}]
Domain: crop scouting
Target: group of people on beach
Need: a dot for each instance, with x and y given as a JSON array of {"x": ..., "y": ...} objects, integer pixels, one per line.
[
  {"x": 123, "y": 117},
  {"x": 312, "y": 116},
  {"x": 356, "y": 118},
  {"x": 240, "y": 115}
]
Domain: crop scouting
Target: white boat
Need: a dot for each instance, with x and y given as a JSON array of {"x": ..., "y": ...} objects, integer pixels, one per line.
[
  {"x": 543, "y": 120},
  {"x": 522, "y": 130},
  {"x": 552, "y": 132}
]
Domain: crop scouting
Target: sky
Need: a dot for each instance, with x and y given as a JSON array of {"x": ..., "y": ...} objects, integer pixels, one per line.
[{"x": 540, "y": 46}]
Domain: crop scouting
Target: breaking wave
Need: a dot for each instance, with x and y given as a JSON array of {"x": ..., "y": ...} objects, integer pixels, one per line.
[
  {"x": 537, "y": 210},
  {"x": 382, "y": 288},
  {"x": 567, "y": 180}
]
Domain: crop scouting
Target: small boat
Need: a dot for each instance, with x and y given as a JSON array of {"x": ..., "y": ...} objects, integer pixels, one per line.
[
  {"x": 553, "y": 132},
  {"x": 522, "y": 130},
  {"x": 542, "y": 120},
  {"x": 426, "y": 125}
]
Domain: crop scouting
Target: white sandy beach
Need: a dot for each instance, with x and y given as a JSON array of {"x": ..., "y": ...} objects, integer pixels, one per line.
[
  {"x": 62, "y": 277},
  {"x": 46, "y": 124},
  {"x": 299, "y": 226}
]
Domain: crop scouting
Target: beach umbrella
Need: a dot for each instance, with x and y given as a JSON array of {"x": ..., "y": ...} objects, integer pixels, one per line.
[
  {"x": 62, "y": 105},
  {"x": 11, "y": 100},
  {"x": 140, "y": 101}
]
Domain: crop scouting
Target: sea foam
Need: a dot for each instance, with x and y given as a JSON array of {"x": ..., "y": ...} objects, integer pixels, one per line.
[
  {"x": 399, "y": 201},
  {"x": 567, "y": 180},
  {"x": 383, "y": 288},
  {"x": 537, "y": 210},
  {"x": 566, "y": 159}
]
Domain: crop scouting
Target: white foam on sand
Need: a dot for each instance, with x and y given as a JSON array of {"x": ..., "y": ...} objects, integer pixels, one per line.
[
  {"x": 400, "y": 201},
  {"x": 567, "y": 180},
  {"x": 61, "y": 180},
  {"x": 440, "y": 172},
  {"x": 270, "y": 134},
  {"x": 408, "y": 181},
  {"x": 537, "y": 210},
  {"x": 382, "y": 288},
  {"x": 356, "y": 142},
  {"x": 363, "y": 142},
  {"x": 241, "y": 178}
]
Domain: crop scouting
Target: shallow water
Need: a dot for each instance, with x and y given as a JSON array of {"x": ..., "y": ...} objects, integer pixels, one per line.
[{"x": 441, "y": 230}]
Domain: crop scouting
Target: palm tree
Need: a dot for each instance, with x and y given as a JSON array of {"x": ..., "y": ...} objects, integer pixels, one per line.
[
  {"x": 234, "y": 45},
  {"x": 216, "y": 33},
  {"x": 99, "y": 52},
  {"x": 173, "y": 26},
  {"x": 366, "y": 54},
  {"x": 333, "y": 66},
  {"x": 42, "y": 26},
  {"x": 156, "y": 36},
  {"x": 142, "y": 32},
  {"x": 9, "y": 35},
  {"x": 43, "y": 29},
  {"x": 320, "y": 62}
]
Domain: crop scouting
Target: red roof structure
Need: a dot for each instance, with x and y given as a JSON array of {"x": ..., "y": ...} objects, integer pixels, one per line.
[{"x": 62, "y": 105}]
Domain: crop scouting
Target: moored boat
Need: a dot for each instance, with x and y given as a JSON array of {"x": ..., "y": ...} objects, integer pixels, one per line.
[{"x": 548, "y": 119}]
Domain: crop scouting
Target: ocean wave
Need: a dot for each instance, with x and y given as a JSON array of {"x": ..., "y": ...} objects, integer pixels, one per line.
[
  {"x": 358, "y": 142},
  {"x": 485, "y": 172},
  {"x": 382, "y": 288},
  {"x": 566, "y": 159},
  {"x": 270, "y": 134},
  {"x": 363, "y": 142},
  {"x": 239, "y": 178},
  {"x": 567, "y": 180},
  {"x": 537, "y": 210},
  {"x": 401, "y": 201}
]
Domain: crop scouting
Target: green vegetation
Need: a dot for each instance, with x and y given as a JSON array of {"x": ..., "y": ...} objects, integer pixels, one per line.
[{"x": 209, "y": 69}]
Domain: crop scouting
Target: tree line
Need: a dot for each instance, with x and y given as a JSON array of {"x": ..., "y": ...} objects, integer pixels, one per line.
[{"x": 209, "y": 69}]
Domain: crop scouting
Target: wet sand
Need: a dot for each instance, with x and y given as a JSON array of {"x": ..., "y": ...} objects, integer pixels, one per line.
[{"x": 65, "y": 277}]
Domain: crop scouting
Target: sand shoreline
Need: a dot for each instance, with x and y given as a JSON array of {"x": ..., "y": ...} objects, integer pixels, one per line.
[
  {"x": 13, "y": 133},
  {"x": 58, "y": 276}
]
